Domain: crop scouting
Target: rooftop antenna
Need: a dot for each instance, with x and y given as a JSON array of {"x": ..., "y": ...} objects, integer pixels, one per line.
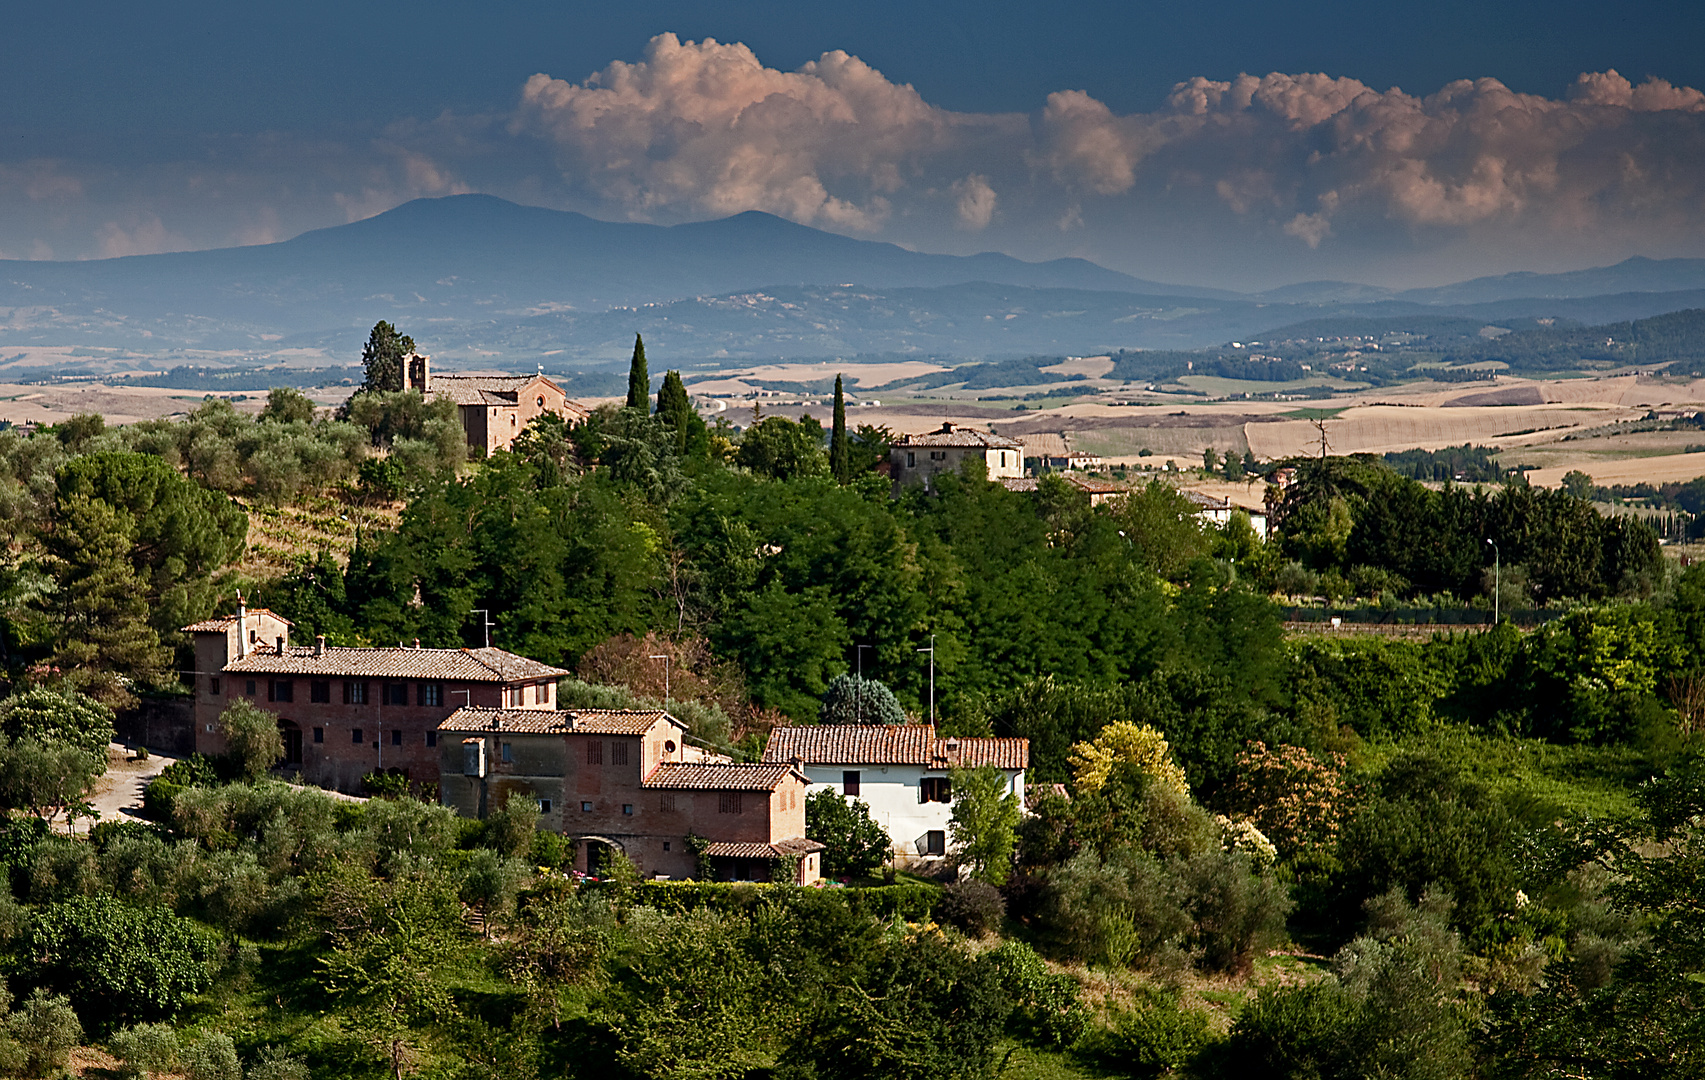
[
  {"x": 488, "y": 624},
  {"x": 931, "y": 651}
]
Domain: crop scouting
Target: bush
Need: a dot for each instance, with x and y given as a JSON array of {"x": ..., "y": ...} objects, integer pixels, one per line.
[
  {"x": 850, "y": 699},
  {"x": 912, "y": 901},
  {"x": 213, "y": 1057},
  {"x": 275, "y": 1064},
  {"x": 119, "y": 962},
  {"x": 972, "y": 906},
  {"x": 47, "y": 1030},
  {"x": 1237, "y": 913},
  {"x": 1155, "y": 1038},
  {"x": 252, "y": 740},
  {"x": 854, "y": 844},
  {"x": 1047, "y": 1009},
  {"x": 145, "y": 1049}
]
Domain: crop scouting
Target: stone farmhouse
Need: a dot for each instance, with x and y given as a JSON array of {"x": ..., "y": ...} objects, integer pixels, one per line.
[
  {"x": 902, "y": 772},
  {"x": 347, "y": 712},
  {"x": 494, "y": 408},
  {"x": 915, "y": 459},
  {"x": 627, "y": 780}
]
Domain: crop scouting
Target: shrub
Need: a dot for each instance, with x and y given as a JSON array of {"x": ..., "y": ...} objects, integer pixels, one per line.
[
  {"x": 850, "y": 699},
  {"x": 275, "y": 1064},
  {"x": 1047, "y": 1009},
  {"x": 145, "y": 1049},
  {"x": 252, "y": 741},
  {"x": 1237, "y": 913},
  {"x": 1155, "y": 1038},
  {"x": 213, "y": 1057},
  {"x": 855, "y": 845},
  {"x": 972, "y": 906},
  {"x": 116, "y": 961},
  {"x": 48, "y": 1030}
]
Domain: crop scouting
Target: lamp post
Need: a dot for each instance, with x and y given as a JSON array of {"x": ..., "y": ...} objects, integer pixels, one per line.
[
  {"x": 858, "y": 688},
  {"x": 931, "y": 651},
  {"x": 665, "y": 658},
  {"x": 1497, "y": 579}
]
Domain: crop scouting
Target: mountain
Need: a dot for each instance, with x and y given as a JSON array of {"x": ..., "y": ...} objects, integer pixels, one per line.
[
  {"x": 471, "y": 258},
  {"x": 1628, "y": 276}
]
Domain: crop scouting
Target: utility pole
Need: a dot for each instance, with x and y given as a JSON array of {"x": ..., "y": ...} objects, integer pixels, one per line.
[
  {"x": 1497, "y": 579},
  {"x": 488, "y": 624},
  {"x": 931, "y": 651},
  {"x": 858, "y": 687},
  {"x": 665, "y": 658}
]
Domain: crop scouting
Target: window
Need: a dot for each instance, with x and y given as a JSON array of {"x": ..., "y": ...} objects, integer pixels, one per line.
[
  {"x": 249, "y": 689},
  {"x": 665, "y": 845},
  {"x": 541, "y": 693},
  {"x": 355, "y": 693},
  {"x": 541, "y": 403},
  {"x": 320, "y": 692},
  {"x": 666, "y": 802},
  {"x": 432, "y": 738},
  {"x": 585, "y": 808},
  {"x": 396, "y": 737},
  {"x": 627, "y": 808},
  {"x": 280, "y": 690},
  {"x": 728, "y": 802},
  {"x": 396, "y": 693},
  {"x": 849, "y": 782},
  {"x": 618, "y": 753},
  {"x": 429, "y": 693},
  {"x": 911, "y": 460},
  {"x": 938, "y": 455},
  {"x": 935, "y": 789},
  {"x": 544, "y": 806},
  {"x": 935, "y": 842},
  {"x": 213, "y": 686},
  {"x": 355, "y": 736},
  {"x": 508, "y": 753},
  {"x": 320, "y": 734},
  {"x": 594, "y": 752},
  {"x": 669, "y": 746}
]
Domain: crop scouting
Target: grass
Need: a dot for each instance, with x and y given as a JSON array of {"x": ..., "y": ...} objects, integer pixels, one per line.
[
  {"x": 1313, "y": 414},
  {"x": 1594, "y": 781}
]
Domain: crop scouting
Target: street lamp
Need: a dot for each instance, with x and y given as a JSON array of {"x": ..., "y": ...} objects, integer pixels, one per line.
[
  {"x": 931, "y": 651},
  {"x": 665, "y": 658},
  {"x": 1497, "y": 579}
]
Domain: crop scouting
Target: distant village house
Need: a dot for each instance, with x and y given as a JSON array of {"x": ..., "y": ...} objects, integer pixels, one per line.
[
  {"x": 494, "y": 409},
  {"x": 916, "y": 459}
]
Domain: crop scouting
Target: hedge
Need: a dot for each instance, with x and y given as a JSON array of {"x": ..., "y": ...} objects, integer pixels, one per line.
[{"x": 912, "y": 901}]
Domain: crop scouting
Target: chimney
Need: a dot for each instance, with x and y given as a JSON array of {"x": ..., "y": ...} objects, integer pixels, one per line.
[
  {"x": 242, "y": 627},
  {"x": 281, "y": 644},
  {"x": 417, "y": 643},
  {"x": 947, "y": 427},
  {"x": 319, "y": 644},
  {"x": 420, "y": 373}
]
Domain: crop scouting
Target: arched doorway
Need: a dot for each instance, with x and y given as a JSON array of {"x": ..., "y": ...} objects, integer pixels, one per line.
[{"x": 592, "y": 852}]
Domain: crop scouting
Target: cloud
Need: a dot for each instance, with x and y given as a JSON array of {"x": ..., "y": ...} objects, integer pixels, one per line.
[
  {"x": 148, "y": 237},
  {"x": 976, "y": 203}
]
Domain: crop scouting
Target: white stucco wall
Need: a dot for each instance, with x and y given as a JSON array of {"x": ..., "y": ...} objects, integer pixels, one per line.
[{"x": 891, "y": 792}]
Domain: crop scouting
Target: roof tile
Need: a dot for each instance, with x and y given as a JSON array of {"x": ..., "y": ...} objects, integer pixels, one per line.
[
  {"x": 457, "y": 665},
  {"x": 222, "y": 623},
  {"x": 795, "y": 846},
  {"x": 557, "y": 721},
  {"x": 909, "y": 744},
  {"x": 689, "y": 775}
]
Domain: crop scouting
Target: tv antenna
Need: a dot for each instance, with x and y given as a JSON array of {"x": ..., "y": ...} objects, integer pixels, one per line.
[{"x": 487, "y": 624}]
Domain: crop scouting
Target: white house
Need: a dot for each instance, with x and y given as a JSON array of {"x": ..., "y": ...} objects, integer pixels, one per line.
[
  {"x": 902, "y": 772},
  {"x": 916, "y": 459}
]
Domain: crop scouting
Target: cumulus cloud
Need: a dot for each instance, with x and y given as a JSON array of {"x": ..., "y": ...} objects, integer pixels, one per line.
[
  {"x": 976, "y": 202},
  {"x": 149, "y": 236}
]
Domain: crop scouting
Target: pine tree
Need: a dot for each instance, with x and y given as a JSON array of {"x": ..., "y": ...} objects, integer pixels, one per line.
[
  {"x": 639, "y": 381},
  {"x": 839, "y": 466},
  {"x": 384, "y": 357},
  {"x": 102, "y": 602}
]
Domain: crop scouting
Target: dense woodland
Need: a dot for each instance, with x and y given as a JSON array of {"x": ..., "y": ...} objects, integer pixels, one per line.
[{"x": 1253, "y": 854}]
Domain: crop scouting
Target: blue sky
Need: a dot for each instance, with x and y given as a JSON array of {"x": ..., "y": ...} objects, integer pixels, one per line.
[{"x": 1034, "y": 129}]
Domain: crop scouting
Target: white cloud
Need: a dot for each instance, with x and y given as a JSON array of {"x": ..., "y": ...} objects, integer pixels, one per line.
[
  {"x": 976, "y": 202},
  {"x": 149, "y": 236}
]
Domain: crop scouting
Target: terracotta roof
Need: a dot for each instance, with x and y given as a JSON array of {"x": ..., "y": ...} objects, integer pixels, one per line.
[
  {"x": 1206, "y": 502},
  {"x": 457, "y": 665},
  {"x": 1093, "y": 487},
  {"x": 795, "y": 846},
  {"x": 950, "y": 434},
  {"x": 896, "y": 744},
  {"x": 706, "y": 777},
  {"x": 223, "y": 623},
  {"x": 495, "y": 390},
  {"x": 557, "y": 721}
]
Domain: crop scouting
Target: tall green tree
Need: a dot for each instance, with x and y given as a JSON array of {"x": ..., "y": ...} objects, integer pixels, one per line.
[
  {"x": 675, "y": 410},
  {"x": 385, "y": 357},
  {"x": 839, "y": 466},
  {"x": 639, "y": 380},
  {"x": 984, "y": 823}
]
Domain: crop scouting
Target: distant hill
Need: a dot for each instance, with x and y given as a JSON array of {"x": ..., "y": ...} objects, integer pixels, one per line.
[{"x": 1627, "y": 276}]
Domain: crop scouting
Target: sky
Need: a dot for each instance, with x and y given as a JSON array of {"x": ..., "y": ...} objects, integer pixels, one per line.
[{"x": 1243, "y": 144}]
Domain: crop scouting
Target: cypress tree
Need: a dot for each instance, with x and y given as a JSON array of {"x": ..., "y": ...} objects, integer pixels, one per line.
[
  {"x": 639, "y": 380},
  {"x": 384, "y": 356},
  {"x": 839, "y": 467},
  {"x": 674, "y": 408}
]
